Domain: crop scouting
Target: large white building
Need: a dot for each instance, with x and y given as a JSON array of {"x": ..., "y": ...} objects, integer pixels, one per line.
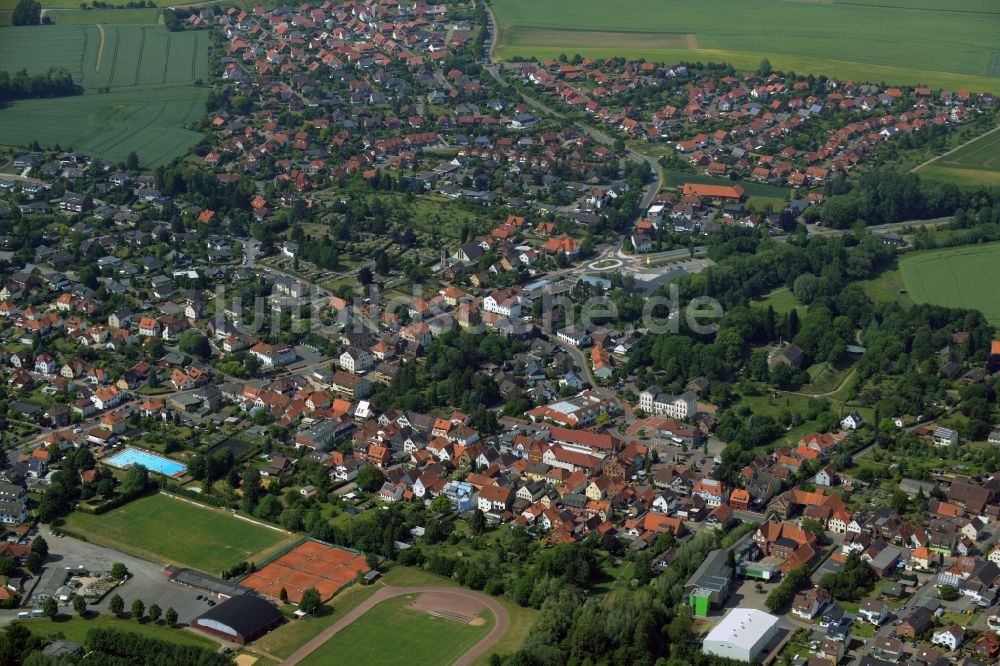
[
  {"x": 742, "y": 635},
  {"x": 654, "y": 401}
]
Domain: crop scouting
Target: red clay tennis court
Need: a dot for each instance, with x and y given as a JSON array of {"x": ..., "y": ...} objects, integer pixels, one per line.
[{"x": 310, "y": 564}]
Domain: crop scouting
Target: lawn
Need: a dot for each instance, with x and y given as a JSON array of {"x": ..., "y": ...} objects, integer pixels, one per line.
[
  {"x": 165, "y": 529},
  {"x": 900, "y": 41},
  {"x": 825, "y": 377},
  {"x": 75, "y": 628},
  {"x": 888, "y": 288},
  {"x": 782, "y": 300},
  {"x": 975, "y": 163},
  {"x": 138, "y": 88},
  {"x": 962, "y": 277},
  {"x": 390, "y": 634}
]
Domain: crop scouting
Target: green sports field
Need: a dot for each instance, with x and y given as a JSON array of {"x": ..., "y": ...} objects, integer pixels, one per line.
[
  {"x": 965, "y": 277},
  {"x": 138, "y": 82},
  {"x": 391, "y": 634},
  {"x": 951, "y": 45},
  {"x": 975, "y": 163},
  {"x": 164, "y": 529}
]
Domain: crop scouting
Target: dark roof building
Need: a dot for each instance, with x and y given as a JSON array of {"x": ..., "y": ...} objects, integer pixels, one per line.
[{"x": 240, "y": 619}]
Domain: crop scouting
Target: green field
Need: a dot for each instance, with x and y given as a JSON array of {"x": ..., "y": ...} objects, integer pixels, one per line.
[
  {"x": 963, "y": 277},
  {"x": 165, "y": 529},
  {"x": 391, "y": 634},
  {"x": 898, "y": 41},
  {"x": 75, "y": 628},
  {"x": 782, "y": 300},
  {"x": 975, "y": 163},
  {"x": 106, "y": 16},
  {"x": 138, "y": 88},
  {"x": 8, "y": 5}
]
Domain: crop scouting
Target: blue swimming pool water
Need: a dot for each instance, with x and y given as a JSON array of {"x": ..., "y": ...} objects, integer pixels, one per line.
[{"x": 150, "y": 461}]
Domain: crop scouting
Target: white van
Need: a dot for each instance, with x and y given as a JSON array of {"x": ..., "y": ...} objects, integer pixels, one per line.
[
  {"x": 23, "y": 614},
  {"x": 38, "y": 612}
]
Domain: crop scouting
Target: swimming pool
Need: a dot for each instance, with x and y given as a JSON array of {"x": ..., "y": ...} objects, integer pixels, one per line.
[{"x": 151, "y": 461}]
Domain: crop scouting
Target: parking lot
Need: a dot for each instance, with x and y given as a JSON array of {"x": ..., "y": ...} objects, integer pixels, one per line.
[{"x": 146, "y": 581}]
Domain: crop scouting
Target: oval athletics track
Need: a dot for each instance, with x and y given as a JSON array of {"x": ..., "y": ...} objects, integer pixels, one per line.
[{"x": 386, "y": 593}]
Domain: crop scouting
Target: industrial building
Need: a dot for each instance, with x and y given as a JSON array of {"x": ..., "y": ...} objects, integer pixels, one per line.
[
  {"x": 743, "y": 634},
  {"x": 240, "y": 619},
  {"x": 709, "y": 585}
]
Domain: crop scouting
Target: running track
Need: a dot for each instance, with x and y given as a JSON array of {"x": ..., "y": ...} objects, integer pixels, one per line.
[{"x": 389, "y": 592}]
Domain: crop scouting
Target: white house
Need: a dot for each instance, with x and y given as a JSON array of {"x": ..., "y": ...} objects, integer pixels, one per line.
[
  {"x": 874, "y": 611},
  {"x": 356, "y": 360},
  {"x": 808, "y": 604},
  {"x": 825, "y": 477},
  {"x": 851, "y": 422},
  {"x": 494, "y": 499},
  {"x": 503, "y": 302},
  {"x": 572, "y": 335},
  {"x": 950, "y": 637},
  {"x": 945, "y": 436},
  {"x": 272, "y": 355}
]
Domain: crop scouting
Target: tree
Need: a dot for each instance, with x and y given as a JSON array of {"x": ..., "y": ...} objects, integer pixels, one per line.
[
  {"x": 170, "y": 616},
  {"x": 7, "y": 565},
  {"x": 948, "y": 593},
  {"x": 33, "y": 562},
  {"x": 440, "y": 504},
  {"x": 79, "y": 605},
  {"x": 50, "y": 608},
  {"x": 195, "y": 343},
  {"x": 764, "y": 69},
  {"x": 40, "y": 545},
  {"x": 138, "y": 609},
  {"x": 154, "y": 612},
  {"x": 27, "y": 12},
  {"x": 850, "y": 583},
  {"x": 787, "y": 588},
  {"x": 370, "y": 479},
  {"x": 478, "y": 522},
  {"x": 310, "y": 601},
  {"x": 365, "y": 275},
  {"x": 283, "y": 596},
  {"x": 116, "y": 605},
  {"x": 135, "y": 482},
  {"x": 132, "y": 161},
  {"x": 118, "y": 571}
]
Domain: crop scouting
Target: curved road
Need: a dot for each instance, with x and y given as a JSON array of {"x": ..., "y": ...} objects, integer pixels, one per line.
[{"x": 390, "y": 592}]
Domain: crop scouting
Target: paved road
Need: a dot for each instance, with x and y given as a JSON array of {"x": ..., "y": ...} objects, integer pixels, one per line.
[{"x": 390, "y": 592}]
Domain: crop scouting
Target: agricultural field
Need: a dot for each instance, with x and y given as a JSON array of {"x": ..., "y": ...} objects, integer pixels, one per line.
[
  {"x": 390, "y": 633},
  {"x": 975, "y": 163},
  {"x": 138, "y": 83},
  {"x": 165, "y": 529},
  {"x": 963, "y": 277},
  {"x": 897, "y": 41}
]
